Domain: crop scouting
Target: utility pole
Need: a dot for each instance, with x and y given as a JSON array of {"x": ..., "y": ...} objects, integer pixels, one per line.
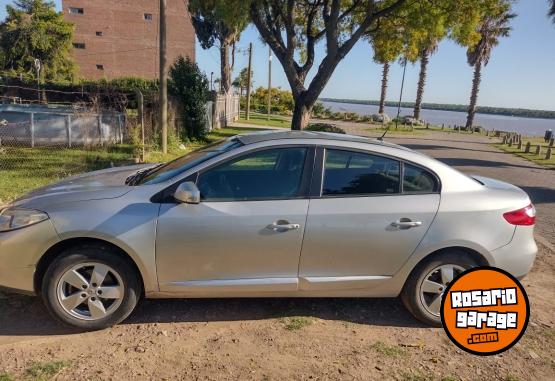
[
  {"x": 401, "y": 95},
  {"x": 163, "y": 78},
  {"x": 212, "y": 81},
  {"x": 269, "y": 82},
  {"x": 249, "y": 79}
]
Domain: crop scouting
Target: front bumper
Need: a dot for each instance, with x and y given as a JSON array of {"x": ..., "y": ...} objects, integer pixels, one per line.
[
  {"x": 518, "y": 256},
  {"x": 20, "y": 251}
]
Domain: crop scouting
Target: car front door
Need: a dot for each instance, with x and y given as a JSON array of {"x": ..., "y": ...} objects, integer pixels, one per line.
[
  {"x": 369, "y": 215},
  {"x": 246, "y": 233}
]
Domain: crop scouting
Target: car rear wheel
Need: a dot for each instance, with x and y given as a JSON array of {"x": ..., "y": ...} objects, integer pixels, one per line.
[
  {"x": 424, "y": 289},
  {"x": 90, "y": 287}
]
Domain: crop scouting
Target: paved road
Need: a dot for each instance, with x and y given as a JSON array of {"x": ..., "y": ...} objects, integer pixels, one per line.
[{"x": 474, "y": 154}]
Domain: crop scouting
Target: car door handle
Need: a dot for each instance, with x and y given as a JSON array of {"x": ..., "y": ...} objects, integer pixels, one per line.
[
  {"x": 405, "y": 223},
  {"x": 283, "y": 225}
]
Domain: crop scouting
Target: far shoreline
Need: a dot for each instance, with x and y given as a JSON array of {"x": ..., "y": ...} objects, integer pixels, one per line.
[{"x": 486, "y": 110}]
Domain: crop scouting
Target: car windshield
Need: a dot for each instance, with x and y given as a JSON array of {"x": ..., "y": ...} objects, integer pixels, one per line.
[{"x": 184, "y": 163}]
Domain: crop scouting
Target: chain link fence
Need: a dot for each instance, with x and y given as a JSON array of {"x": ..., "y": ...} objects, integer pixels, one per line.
[{"x": 40, "y": 144}]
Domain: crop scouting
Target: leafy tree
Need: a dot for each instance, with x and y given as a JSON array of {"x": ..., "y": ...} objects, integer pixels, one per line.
[
  {"x": 33, "y": 29},
  {"x": 494, "y": 24},
  {"x": 242, "y": 80},
  {"x": 190, "y": 86},
  {"x": 282, "y": 100},
  {"x": 292, "y": 29},
  {"x": 552, "y": 10},
  {"x": 220, "y": 22}
]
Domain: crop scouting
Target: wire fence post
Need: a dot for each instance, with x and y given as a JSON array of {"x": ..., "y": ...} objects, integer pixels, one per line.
[
  {"x": 68, "y": 130},
  {"x": 32, "y": 128},
  {"x": 99, "y": 125},
  {"x": 141, "y": 107}
]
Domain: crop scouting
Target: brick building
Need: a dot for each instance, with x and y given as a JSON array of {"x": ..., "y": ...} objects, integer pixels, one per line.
[{"x": 117, "y": 38}]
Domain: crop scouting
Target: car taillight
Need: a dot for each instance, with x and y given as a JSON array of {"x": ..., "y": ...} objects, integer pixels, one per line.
[{"x": 525, "y": 216}]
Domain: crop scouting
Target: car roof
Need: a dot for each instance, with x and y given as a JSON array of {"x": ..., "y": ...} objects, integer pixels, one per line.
[{"x": 267, "y": 135}]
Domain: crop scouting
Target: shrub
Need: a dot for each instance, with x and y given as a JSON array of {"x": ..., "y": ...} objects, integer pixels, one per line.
[
  {"x": 190, "y": 87},
  {"x": 325, "y": 127}
]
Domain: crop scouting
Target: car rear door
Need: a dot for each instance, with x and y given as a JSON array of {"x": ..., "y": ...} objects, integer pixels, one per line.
[
  {"x": 364, "y": 222},
  {"x": 245, "y": 235}
]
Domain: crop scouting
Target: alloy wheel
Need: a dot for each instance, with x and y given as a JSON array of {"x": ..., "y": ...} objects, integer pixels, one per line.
[
  {"x": 434, "y": 284},
  {"x": 90, "y": 291}
]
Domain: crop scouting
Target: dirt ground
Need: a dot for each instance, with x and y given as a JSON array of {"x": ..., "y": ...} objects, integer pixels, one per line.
[{"x": 277, "y": 339}]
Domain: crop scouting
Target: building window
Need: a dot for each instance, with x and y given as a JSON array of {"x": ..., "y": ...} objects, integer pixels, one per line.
[
  {"x": 79, "y": 45},
  {"x": 148, "y": 16},
  {"x": 100, "y": 34},
  {"x": 76, "y": 11},
  {"x": 99, "y": 67}
]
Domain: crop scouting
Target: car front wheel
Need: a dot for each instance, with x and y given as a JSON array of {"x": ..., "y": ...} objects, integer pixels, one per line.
[
  {"x": 90, "y": 287},
  {"x": 424, "y": 289}
]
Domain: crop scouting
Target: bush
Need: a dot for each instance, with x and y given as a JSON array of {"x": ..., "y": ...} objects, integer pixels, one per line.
[
  {"x": 325, "y": 127},
  {"x": 190, "y": 87}
]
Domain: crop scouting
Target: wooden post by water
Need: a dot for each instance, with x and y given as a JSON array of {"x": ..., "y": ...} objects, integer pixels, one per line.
[
  {"x": 548, "y": 154},
  {"x": 519, "y": 145},
  {"x": 527, "y": 149},
  {"x": 538, "y": 150}
]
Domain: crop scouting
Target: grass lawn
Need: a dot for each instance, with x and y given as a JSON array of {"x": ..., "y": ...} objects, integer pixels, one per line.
[
  {"x": 532, "y": 155},
  {"x": 24, "y": 169},
  {"x": 258, "y": 119}
]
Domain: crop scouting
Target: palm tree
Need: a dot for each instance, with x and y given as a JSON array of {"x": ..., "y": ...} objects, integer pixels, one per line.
[
  {"x": 491, "y": 28},
  {"x": 424, "y": 60},
  {"x": 552, "y": 10},
  {"x": 385, "y": 75}
]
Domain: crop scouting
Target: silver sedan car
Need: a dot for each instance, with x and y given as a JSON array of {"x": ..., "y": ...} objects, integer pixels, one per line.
[{"x": 270, "y": 214}]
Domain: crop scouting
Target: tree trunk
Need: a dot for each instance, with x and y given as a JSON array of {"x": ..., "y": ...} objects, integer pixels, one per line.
[
  {"x": 424, "y": 59},
  {"x": 225, "y": 81},
  {"x": 301, "y": 114},
  {"x": 384, "y": 87},
  {"x": 474, "y": 95}
]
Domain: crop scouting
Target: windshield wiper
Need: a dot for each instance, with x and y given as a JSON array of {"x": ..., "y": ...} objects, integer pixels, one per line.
[{"x": 136, "y": 177}]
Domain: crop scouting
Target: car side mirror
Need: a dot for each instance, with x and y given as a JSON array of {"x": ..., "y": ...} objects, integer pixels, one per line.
[{"x": 187, "y": 193}]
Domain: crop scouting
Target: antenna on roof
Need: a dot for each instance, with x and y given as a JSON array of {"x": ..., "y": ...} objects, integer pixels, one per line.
[{"x": 400, "y": 100}]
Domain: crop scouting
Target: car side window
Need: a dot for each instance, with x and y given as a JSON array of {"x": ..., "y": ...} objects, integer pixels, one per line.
[
  {"x": 357, "y": 174},
  {"x": 418, "y": 180},
  {"x": 263, "y": 175}
]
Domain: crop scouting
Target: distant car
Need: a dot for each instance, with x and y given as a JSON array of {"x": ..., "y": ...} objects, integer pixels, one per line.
[{"x": 271, "y": 214}]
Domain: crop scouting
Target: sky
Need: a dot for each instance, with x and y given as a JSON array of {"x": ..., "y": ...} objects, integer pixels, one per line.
[{"x": 521, "y": 72}]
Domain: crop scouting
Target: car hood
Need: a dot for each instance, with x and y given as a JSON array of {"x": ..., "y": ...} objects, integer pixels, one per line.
[{"x": 97, "y": 185}]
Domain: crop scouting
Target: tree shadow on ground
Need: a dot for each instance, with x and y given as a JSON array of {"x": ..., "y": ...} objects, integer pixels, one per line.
[
  {"x": 540, "y": 195},
  {"x": 462, "y": 162},
  {"x": 431, "y": 147},
  {"x": 26, "y": 316}
]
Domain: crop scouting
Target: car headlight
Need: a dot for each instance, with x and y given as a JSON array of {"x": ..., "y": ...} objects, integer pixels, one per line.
[{"x": 16, "y": 218}]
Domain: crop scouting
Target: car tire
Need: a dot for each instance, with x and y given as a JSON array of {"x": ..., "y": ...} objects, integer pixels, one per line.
[
  {"x": 102, "y": 287},
  {"x": 428, "y": 281}
]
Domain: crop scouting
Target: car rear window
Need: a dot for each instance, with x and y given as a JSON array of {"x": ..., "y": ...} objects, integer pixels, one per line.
[
  {"x": 355, "y": 173},
  {"x": 418, "y": 180}
]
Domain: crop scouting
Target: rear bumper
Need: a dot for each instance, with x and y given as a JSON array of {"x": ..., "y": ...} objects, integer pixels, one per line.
[{"x": 518, "y": 256}]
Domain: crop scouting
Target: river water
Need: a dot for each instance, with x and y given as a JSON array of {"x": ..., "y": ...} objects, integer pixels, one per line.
[{"x": 525, "y": 126}]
